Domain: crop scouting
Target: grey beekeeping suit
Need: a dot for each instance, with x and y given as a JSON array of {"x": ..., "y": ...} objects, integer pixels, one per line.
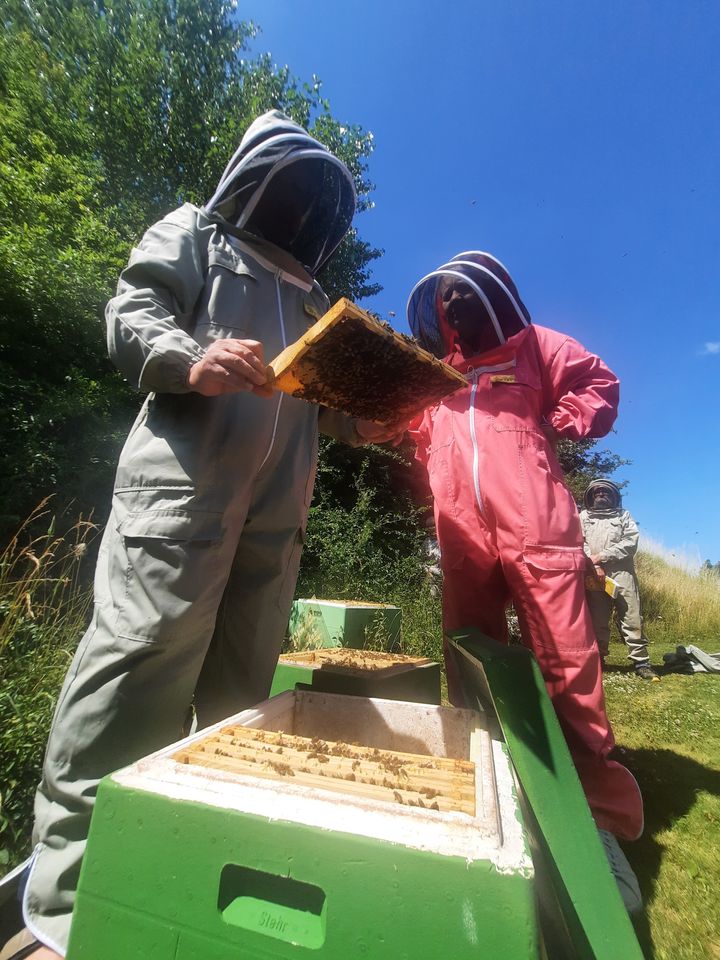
[
  {"x": 612, "y": 536},
  {"x": 198, "y": 563}
]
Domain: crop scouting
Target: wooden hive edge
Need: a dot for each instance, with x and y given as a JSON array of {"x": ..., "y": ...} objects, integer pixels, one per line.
[{"x": 280, "y": 373}]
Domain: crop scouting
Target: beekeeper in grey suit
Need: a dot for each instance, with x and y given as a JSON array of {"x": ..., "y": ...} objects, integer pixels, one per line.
[
  {"x": 611, "y": 541},
  {"x": 198, "y": 563}
]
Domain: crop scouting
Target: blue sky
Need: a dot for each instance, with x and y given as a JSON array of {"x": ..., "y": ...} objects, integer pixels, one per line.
[{"x": 579, "y": 142}]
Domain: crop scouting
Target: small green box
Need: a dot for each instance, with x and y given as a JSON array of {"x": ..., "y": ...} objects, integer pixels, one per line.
[
  {"x": 360, "y": 673},
  {"x": 342, "y": 623}
]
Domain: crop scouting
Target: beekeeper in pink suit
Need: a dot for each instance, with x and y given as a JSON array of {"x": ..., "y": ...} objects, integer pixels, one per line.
[{"x": 507, "y": 525}]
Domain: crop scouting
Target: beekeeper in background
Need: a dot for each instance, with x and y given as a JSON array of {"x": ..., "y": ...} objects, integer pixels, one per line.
[
  {"x": 507, "y": 524},
  {"x": 197, "y": 567},
  {"x": 611, "y": 541}
]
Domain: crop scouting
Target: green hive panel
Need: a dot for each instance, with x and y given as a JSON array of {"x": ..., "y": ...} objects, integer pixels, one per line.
[
  {"x": 342, "y": 623},
  {"x": 361, "y": 673},
  {"x": 593, "y": 923},
  {"x": 193, "y": 856}
]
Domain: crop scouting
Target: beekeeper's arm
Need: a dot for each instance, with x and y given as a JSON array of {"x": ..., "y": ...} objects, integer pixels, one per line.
[
  {"x": 581, "y": 393},
  {"x": 356, "y": 432},
  {"x": 149, "y": 320}
]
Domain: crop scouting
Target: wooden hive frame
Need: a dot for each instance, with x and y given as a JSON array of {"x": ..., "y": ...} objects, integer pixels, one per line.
[
  {"x": 352, "y": 362},
  {"x": 352, "y": 660},
  {"x": 432, "y": 783}
]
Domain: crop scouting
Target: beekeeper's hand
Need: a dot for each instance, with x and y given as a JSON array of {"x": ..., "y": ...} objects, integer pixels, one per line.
[
  {"x": 372, "y": 432},
  {"x": 230, "y": 366}
]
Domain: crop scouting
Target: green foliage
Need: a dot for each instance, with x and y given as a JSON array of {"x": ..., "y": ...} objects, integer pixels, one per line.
[
  {"x": 363, "y": 535},
  {"x": 581, "y": 463},
  {"x": 365, "y": 540},
  {"x": 109, "y": 117}
]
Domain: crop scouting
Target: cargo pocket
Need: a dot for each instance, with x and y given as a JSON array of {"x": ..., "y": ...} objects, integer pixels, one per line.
[
  {"x": 548, "y": 559},
  {"x": 512, "y": 404},
  {"x": 440, "y": 476},
  {"x": 232, "y": 299},
  {"x": 174, "y": 574}
]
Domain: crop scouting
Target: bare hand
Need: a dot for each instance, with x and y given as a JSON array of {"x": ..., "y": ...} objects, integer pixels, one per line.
[
  {"x": 230, "y": 366},
  {"x": 599, "y": 572},
  {"x": 373, "y": 432}
]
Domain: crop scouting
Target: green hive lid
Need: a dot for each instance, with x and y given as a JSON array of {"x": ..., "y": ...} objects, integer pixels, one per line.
[{"x": 507, "y": 679}]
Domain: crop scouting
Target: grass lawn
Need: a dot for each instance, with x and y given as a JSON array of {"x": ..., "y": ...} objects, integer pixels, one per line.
[{"x": 668, "y": 734}]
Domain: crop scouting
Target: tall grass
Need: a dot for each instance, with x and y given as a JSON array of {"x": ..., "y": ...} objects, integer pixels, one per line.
[
  {"x": 678, "y": 606},
  {"x": 44, "y": 607}
]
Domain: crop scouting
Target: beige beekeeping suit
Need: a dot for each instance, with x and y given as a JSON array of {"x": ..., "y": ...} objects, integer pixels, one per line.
[
  {"x": 198, "y": 563},
  {"x": 612, "y": 536}
]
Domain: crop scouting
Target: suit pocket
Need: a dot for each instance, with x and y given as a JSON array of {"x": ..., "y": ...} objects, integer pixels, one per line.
[
  {"x": 172, "y": 565},
  {"x": 549, "y": 559},
  {"x": 232, "y": 303}
]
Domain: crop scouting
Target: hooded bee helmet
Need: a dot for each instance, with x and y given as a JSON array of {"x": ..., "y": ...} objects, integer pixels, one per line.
[
  {"x": 612, "y": 489},
  {"x": 285, "y": 186},
  {"x": 488, "y": 279}
]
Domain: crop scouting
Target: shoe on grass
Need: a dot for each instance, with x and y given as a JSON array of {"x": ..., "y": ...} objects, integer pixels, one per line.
[
  {"x": 645, "y": 672},
  {"x": 622, "y": 871}
]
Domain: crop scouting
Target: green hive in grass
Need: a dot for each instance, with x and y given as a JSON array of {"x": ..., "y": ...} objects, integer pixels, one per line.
[{"x": 342, "y": 623}]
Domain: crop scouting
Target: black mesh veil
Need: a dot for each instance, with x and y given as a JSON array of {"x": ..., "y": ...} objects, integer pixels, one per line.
[
  {"x": 288, "y": 188},
  {"x": 489, "y": 280}
]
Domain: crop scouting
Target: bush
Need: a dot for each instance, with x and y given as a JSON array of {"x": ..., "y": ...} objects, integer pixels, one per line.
[{"x": 365, "y": 541}]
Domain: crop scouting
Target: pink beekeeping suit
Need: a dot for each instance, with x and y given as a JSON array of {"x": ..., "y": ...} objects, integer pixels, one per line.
[{"x": 507, "y": 525}]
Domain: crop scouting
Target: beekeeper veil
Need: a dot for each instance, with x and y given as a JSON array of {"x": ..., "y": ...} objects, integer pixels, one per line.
[
  {"x": 486, "y": 282},
  {"x": 286, "y": 187},
  {"x": 612, "y": 491}
]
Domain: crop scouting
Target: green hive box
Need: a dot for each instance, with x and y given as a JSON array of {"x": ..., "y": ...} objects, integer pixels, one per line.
[
  {"x": 342, "y": 623},
  {"x": 362, "y": 673},
  {"x": 396, "y": 835}
]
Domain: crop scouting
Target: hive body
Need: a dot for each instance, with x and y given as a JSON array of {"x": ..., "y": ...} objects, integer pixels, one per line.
[
  {"x": 345, "y": 826},
  {"x": 342, "y": 623}
]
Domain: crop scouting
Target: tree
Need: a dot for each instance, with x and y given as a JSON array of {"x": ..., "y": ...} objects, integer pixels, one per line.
[
  {"x": 111, "y": 115},
  {"x": 57, "y": 257},
  {"x": 581, "y": 463}
]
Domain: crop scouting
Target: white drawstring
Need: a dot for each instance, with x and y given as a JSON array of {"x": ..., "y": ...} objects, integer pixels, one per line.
[{"x": 280, "y": 395}]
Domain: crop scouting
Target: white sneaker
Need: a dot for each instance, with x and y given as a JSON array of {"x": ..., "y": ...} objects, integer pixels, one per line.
[{"x": 622, "y": 871}]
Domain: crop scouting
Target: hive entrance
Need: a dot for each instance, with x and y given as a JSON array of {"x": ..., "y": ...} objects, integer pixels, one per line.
[{"x": 428, "y": 782}]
